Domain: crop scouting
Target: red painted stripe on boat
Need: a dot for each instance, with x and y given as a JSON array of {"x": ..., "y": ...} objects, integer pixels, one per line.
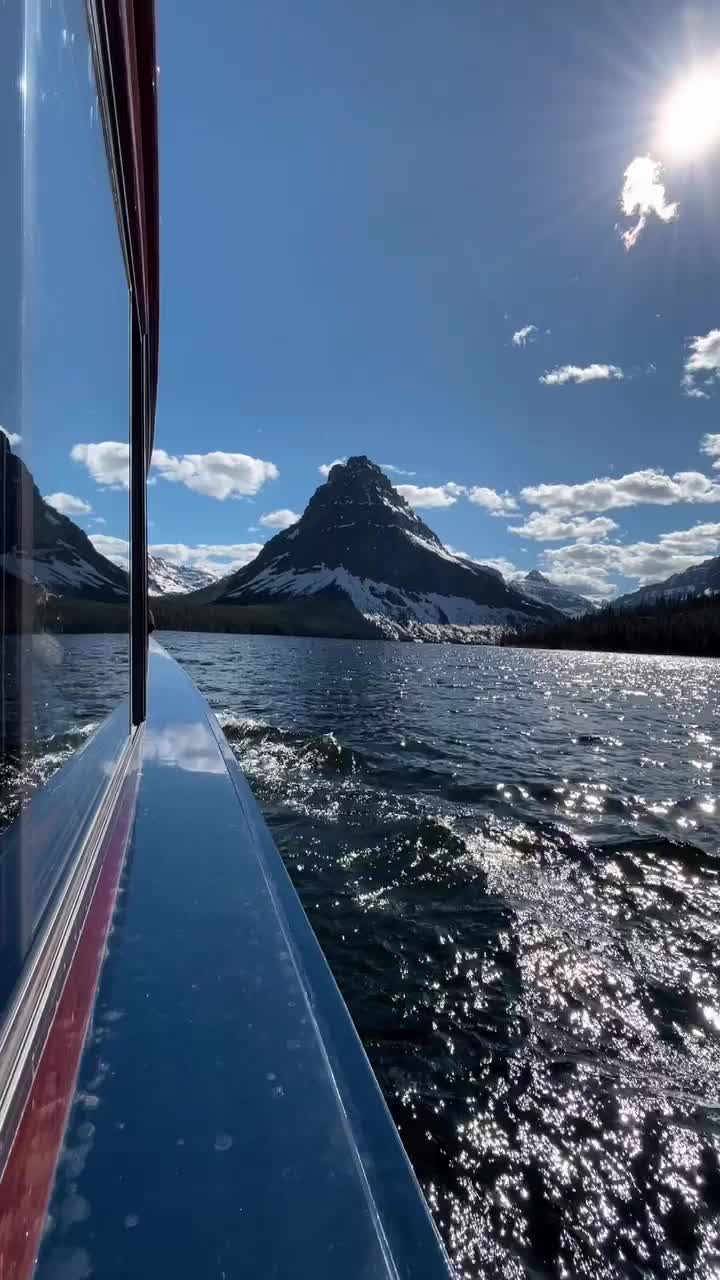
[{"x": 27, "y": 1181}]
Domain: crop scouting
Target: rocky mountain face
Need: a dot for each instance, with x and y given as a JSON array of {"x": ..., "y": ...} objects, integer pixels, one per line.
[
  {"x": 360, "y": 545},
  {"x": 43, "y": 548},
  {"x": 700, "y": 579},
  {"x": 165, "y": 579},
  {"x": 537, "y": 587}
]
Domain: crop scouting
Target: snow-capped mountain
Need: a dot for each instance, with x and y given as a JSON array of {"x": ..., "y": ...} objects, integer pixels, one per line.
[
  {"x": 700, "y": 579},
  {"x": 165, "y": 579},
  {"x": 537, "y": 587},
  {"x": 52, "y": 552},
  {"x": 359, "y": 545}
]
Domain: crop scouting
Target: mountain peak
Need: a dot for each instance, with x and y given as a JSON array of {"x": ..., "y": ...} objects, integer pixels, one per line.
[
  {"x": 358, "y": 494},
  {"x": 357, "y": 465},
  {"x": 359, "y": 545},
  {"x": 537, "y": 587}
]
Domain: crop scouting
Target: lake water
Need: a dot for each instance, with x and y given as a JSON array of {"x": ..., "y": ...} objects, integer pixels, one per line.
[{"x": 511, "y": 861}]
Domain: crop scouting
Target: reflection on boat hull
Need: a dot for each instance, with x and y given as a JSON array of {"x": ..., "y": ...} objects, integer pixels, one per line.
[{"x": 58, "y": 991}]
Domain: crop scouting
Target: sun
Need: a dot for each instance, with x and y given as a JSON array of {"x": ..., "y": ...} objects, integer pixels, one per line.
[{"x": 689, "y": 123}]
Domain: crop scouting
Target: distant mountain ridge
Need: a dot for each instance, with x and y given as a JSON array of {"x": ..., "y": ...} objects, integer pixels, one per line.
[
  {"x": 360, "y": 546},
  {"x": 538, "y": 587},
  {"x": 49, "y": 551},
  {"x": 698, "y": 580},
  {"x": 166, "y": 579}
]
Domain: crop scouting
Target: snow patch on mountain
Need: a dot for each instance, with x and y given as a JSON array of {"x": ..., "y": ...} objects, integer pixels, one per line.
[
  {"x": 537, "y": 587},
  {"x": 376, "y": 599},
  {"x": 166, "y": 579},
  {"x": 59, "y": 570},
  {"x": 360, "y": 546}
]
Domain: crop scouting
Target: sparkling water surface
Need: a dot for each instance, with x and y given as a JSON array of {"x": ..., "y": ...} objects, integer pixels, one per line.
[{"x": 511, "y": 861}]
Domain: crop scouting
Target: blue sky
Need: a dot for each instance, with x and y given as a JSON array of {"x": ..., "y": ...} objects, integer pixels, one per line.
[{"x": 361, "y": 206}]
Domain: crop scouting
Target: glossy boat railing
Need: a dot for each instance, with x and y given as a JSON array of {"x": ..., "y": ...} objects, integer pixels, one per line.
[
  {"x": 236, "y": 1124},
  {"x": 37, "y": 848},
  {"x": 39, "y": 1045}
]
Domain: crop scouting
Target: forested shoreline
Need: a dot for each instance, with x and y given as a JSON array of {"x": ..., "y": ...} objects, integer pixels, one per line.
[{"x": 689, "y": 627}]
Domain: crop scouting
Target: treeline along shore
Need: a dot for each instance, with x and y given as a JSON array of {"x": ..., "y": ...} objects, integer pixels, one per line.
[{"x": 688, "y": 626}]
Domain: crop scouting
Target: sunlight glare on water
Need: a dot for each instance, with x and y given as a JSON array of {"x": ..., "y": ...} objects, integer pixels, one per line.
[{"x": 510, "y": 859}]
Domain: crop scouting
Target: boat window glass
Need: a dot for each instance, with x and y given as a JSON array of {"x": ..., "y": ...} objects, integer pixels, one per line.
[{"x": 64, "y": 460}]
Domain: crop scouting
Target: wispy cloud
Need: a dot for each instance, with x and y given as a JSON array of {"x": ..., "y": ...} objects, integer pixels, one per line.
[
  {"x": 643, "y": 194},
  {"x": 552, "y": 526},
  {"x": 12, "y": 437},
  {"x": 581, "y": 373},
  {"x": 281, "y": 519},
  {"x": 396, "y": 471},
  {"x": 522, "y": 337},
  {"x": 217, "y": 475},
  {"x": 702, "y": 367},
  {"x": 637, "y": 488},
  {"x": 710, "y": 445},
  {"x": 68, "y": 504}
]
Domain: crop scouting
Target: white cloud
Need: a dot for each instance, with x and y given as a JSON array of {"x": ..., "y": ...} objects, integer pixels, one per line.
[
  {"x": 643, "y": 561},
  {"x": 591, "y": 583},
  {"x": 522, "y": 337},
  {"x": 116, "y": 549},
  {"x": 643, "y": 193},
  {"x": 649, "y": 486},
  {"x": 588, "y": 582},
  {"x": 577, "y": 373},
  {"x": 498, "y": 504},
  {"x": 326, "y": 467},
  {"x": 107, "y": 461},
  {"x": 98, "y": 520},
  {"x": 553, "y": 526},
  {"x": 217, "y": 558},
  {"x": 710, "y": 445},
  {"x": 503, "y": 566},
  {"x": 702, "y": 367},
  {"x": 500, "y": 563},
  {"x": 12, "y": 437},
  {"x": 217, "y": 475},
  {"x": 68, "y": 504},
  {"x": 279, "y": 519},
  {"x": 441, "y": 495},
  {"x": 396, "y": 471}
]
